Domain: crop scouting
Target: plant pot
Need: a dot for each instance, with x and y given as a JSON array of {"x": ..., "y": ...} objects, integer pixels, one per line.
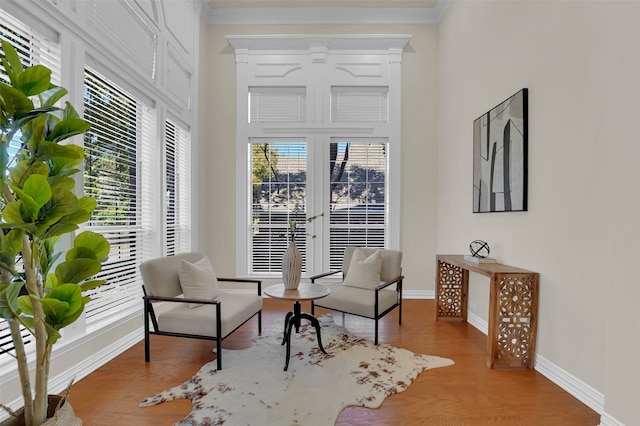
[
  {"x": 64, "y": 416},
  {"x": 291, "y": 267}
]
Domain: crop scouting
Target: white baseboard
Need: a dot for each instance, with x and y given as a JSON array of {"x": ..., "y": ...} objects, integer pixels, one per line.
[
  {"x": 579, "y": 389},
  {"x": 588, "y": 395},
  {"x": 607, "y": 420},
  {"x": 478, "y": 322},
  {"x": 418, "y": 294}
]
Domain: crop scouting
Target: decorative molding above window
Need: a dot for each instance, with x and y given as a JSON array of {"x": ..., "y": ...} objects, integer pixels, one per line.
[{"x": 319, "y": 45}]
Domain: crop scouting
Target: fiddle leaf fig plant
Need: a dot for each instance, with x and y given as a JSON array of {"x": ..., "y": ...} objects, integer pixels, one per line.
[{"x": 40, "y": 289}]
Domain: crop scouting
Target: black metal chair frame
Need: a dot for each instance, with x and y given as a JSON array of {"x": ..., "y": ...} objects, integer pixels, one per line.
[
  {"x": 149, "y": 313},
  {"x": 398, "y": 280}
]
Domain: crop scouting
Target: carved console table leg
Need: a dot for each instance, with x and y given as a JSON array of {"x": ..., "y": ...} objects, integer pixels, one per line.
[
  {"x": 452, "y": 283},
  {"x": 513, "y": 320}
]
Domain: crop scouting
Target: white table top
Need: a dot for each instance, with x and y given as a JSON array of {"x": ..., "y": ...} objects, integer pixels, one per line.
[{"x": 305, "y": 291}]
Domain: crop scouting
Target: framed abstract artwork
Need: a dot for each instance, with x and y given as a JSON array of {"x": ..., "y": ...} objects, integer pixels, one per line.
[{"x": 500, "y": 157}]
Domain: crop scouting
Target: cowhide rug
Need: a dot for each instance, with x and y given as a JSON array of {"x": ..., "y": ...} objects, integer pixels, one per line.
[{"x": 253, "y": 389}]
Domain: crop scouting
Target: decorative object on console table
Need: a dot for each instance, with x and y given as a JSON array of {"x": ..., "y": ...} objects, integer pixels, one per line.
[
  {"x": 500, "y": 157},
  {"x": 513, "y": 307},
  {"x": 479, "y": 248}
]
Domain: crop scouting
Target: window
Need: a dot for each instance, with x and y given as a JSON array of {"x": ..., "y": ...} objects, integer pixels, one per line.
[
  {"x": 358, "y": 204},
  {"x": 321, "y": 135},
  {"x": 33, "y": 48},
  {"x": 178, "y": 189},
  {"x": 279, "y": 191},
  {"x": 117, "y": 175}
]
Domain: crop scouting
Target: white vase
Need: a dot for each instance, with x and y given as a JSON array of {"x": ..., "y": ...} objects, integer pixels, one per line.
[{"x": 291, "y": 267}]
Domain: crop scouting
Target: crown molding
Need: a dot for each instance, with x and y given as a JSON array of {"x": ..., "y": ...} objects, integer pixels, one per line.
[
  {"x": 324, "y": 15},
  {"x": 313, "y": 42}
]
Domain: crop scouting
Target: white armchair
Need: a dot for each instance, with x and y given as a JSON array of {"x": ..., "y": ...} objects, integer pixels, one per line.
[
  {"x": 371, "y": 284},
  {"x": 200, "y": 309}
]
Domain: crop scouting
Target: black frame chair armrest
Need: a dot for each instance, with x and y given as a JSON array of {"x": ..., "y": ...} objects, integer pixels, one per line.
[
  {"x": 397, "y": 279},
  {"x": 322, "y": 275}
]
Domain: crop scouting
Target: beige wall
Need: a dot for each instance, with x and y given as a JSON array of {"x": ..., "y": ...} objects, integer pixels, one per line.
[
  {"x": 217, "y": 190},
  {"x": 581, "y": 64}
]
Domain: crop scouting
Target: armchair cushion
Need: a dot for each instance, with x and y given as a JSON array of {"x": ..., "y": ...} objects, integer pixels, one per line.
[
  {"x": 198, "y": 281},
  {"x": 357, "y": 301},
  {"x": 236, "y": 308},
  {"x": 364, "y": 272}
]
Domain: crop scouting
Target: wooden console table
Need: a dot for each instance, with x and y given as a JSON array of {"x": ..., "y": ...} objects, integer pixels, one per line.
[{"x": 513, "y": 306}]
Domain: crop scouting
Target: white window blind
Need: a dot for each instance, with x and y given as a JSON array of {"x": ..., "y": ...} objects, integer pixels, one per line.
[
  {"x": 33, "y": 48},
  {"x": 359, "y": 104},
  {"x": 277, "y": 105},
  {"x": 358, "y": 204},
  {"x": 178, "y": 189},
  {"x": 121, "y": 26},
  {"x": 279, "y": 191},
  {"x": 118, "y": 163}
]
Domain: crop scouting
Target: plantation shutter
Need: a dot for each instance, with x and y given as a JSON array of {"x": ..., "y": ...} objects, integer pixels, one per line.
[
  {"x": 33, "y": 48},
  {"x": 358, "y": 204},
  {"x": 359, "y": 104},
  {"x": 277, "y": 105},
  {"x": 118, "y": 173},
  {"x": 178, "y": 189}
]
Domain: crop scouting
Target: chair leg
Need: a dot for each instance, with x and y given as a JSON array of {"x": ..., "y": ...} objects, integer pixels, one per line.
[
  {"x": 219, "y": 353},
  {"x": 313, "y": 308},
  {"x": 260, "y": 322},
  {"x": 147, "y": 355},
  {"x": 375, "y": 341}
]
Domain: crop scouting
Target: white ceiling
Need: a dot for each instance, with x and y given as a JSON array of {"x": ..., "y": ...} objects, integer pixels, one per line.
[{"x": 323, "y": 11}]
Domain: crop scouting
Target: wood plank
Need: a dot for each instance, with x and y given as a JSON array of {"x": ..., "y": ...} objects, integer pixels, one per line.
[{"x": 466, "y": 393}]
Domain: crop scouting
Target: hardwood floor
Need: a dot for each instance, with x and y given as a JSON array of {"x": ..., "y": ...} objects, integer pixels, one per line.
[{"x": 467, "y": 393}]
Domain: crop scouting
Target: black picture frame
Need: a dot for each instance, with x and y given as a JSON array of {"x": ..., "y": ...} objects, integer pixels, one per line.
[{"x": 500, "y": 145}]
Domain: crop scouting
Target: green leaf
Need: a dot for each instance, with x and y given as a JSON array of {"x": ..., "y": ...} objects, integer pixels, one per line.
[
  {"x": 52, "y": 95},
  {"x": 12, "y": 64},
  {"x": 63, "y": 305},
  {"x": 60, "y": 164},
  {"x": 76, "y": 270},
  {"x": 12, "y": 213},
  {"x": 34, "y": 80},
  {"x": 90, "y": 285},
  {"x": 62, "y": 203},
  {"x": 24, "y": 305},
  {"x": 14, "y": 101},
  {"x": 24, "y": 169},
  {"x": 35, "y": 193},
  {"x": 67, "y": 128},
  {"x": 58, "y": 229},
  {"x": 94, "y": 241},
  {"x": 87, "y": 203},
  {"x": 48, "y": 150},
  {"x": 37, "y": 187},
  {"x": 9, "y": 299},
  {"x": 52, "y": 334}
]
